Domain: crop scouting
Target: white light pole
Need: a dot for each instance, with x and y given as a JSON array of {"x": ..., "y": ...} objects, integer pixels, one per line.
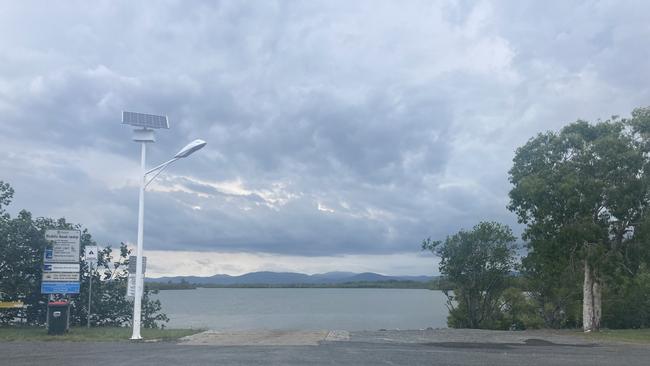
[{"x": 144, "y": 133}]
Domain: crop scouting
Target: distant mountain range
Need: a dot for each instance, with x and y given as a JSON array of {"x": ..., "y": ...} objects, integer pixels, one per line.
[{"x": 289, "y": 278}]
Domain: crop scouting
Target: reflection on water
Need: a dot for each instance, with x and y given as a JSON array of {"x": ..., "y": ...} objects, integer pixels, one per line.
[{"x": 304, "y": 308}]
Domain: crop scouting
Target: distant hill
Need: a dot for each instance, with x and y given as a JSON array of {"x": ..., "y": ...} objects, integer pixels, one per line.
[{"x": 289, "y": 278}]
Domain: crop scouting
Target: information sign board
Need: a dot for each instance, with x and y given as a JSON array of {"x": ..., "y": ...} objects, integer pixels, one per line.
[
  {"x": 61, "y": 267},
  {"x": 61, "y": 262},
  {"x": 65, "y": 245},
  {"x": 61, "y": 276},
  {"x": 59, "y": 287}
]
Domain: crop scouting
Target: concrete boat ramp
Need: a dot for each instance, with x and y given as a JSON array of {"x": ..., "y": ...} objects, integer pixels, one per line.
[
  {"x": 264, "y": 338},
  {"x": 442, "y": 337}
]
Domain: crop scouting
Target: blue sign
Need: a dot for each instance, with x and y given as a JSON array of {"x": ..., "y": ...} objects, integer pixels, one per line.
[
  {"x": 47, "y": 267},
  {"x": 48, "y": 254},
  {"x": 59, "y": 287}
]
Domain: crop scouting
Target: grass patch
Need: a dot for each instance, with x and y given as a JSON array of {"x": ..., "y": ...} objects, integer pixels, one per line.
[
  {"x": 98, "y": 334},
  {"x": 621, "y": 335}
]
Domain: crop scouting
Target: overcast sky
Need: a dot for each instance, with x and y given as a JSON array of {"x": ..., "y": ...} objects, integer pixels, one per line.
[{"x": 340, "y": 133}]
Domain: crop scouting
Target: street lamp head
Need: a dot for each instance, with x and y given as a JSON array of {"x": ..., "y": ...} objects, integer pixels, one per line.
[{"x": 190, "y": 148}]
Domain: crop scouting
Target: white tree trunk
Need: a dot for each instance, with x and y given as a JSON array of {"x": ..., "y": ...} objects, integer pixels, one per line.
[
  {"x": 598, "y": 301},
  {"x": 591, "y": 301},
  {"x": 587, "y": 300}
]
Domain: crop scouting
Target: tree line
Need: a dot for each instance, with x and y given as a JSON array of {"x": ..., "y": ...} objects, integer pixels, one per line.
[
  {"x": 583, "y": 196},
  {"x": 22, "y": 246},
  {"x": 434, "y": 284}
]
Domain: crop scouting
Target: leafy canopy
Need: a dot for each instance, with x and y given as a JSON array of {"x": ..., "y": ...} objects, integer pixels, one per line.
[
  {"x": 22, "y": 243},
  {"x": 478, "y": 263},
  {"x": 583, "y": 184},
  {"x": 584, "y": 194}
]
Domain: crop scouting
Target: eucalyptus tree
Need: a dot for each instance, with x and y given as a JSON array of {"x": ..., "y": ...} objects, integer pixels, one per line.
[{"x": 581, "y": 191}]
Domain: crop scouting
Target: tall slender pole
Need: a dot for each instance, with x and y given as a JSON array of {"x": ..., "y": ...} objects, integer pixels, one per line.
[
  {"x": 90, "y": 291},
  {"x": 137, "y": 302}
]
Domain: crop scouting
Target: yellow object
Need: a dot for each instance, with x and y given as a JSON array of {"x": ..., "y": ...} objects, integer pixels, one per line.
[{"x": 11, "y": 304}]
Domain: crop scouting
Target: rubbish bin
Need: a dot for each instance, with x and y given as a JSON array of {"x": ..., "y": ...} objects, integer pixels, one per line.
[{"x": 58, "y": 317}]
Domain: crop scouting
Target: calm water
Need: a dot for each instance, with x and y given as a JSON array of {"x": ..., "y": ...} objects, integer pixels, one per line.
[{"x": 304, "y": 309}]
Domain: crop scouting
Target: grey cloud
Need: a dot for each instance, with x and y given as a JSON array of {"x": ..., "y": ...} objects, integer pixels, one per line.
[{"x": 332, "y": 127}]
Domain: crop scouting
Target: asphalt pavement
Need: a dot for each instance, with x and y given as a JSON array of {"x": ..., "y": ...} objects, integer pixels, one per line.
[{"x": 419, "y": 347}]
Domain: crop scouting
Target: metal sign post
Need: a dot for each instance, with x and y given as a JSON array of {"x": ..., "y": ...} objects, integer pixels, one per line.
[
  {"x": 90, "y": 252},
  {"x": 90, "y": 293}
]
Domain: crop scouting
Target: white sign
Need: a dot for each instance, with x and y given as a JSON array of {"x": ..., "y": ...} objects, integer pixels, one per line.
[
  {"x": 130, "y": 288},
  {"x": 61, "y": 267},
  {"x": 133, "y": 263},
  {"x": 61, "y": 276},
  {"x": 90, "y": 252},
  {"x": 65, "y": 245}
]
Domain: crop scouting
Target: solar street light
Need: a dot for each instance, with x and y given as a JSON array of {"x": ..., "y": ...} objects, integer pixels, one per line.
[{"x": 144, "y": 133}]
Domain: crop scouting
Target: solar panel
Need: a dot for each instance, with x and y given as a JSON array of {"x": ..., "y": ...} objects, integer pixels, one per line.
[{"x": 144, "y": 120}]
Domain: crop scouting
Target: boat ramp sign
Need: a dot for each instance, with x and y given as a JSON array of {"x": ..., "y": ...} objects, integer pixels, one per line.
[
  {"x": 61, "y": 262},
  {"x": 64, "y": 245},
  {"x": 60, "y": 287}
]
